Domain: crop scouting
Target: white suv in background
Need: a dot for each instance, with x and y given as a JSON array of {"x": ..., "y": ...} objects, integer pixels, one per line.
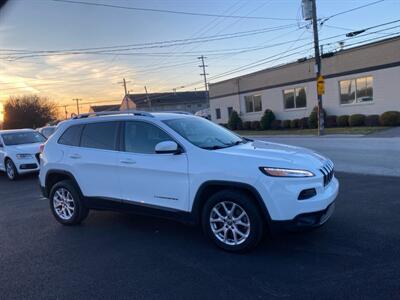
[
  {"x": 19, "y": 151},
  {"x": 185, "y": 167}
]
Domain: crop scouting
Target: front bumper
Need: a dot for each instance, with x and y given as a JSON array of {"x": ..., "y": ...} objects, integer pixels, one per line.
[
  {"x": 306, "y": 220},
  {"x": 27, "y": 166},
  {"x": 281, "y": 196}
]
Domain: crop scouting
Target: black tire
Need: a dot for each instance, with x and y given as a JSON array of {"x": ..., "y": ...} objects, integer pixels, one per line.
[
  {"x": 246, "y": 204},
  {"x": 13, "y": 175},
  {"x": 80, "y": 211}
]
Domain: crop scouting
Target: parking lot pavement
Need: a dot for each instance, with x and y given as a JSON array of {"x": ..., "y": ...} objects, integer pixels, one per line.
[
  {"x": 363, "y": 155},
  {"x": 111, "y": 255}
]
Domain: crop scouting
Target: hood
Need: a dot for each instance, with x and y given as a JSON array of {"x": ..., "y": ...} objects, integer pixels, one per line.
[
  {"x": 26, "y": 148},
  {"x": 278, "y": 155}
]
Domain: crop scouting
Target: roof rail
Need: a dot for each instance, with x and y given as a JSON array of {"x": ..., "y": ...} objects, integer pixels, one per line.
[
  {"x": 118, "y": 112},
  {"x": 177, "y": 112}
]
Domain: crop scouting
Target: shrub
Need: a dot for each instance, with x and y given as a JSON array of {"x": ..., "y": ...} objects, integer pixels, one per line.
[
  {"x": 247, "y": 125},
  {"x": 276, "y": 124},
  {"x": 313, "y": 118},
  {"x": 303, "y": 123},
  {"x": 286, "y": 124},
  {"x": 357, "y": 120},
  {"x": 294, "y": 123},
  {"x": 331, "y": 121},
  {"x": 390, "y": 118},
  {"x": 255, "y": 125},
  {"x": 223, "y": 125},
  {"x": 267, "y": 119},
  {"x": 372, "y": 120},
  {"x": 235, "y": 122},
  {"x": 342, "y": 121}
]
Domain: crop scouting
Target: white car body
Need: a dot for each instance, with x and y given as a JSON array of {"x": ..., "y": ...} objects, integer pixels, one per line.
[
  {"x": 25, "y": 156},
  {"x": 173, "y": 182}
]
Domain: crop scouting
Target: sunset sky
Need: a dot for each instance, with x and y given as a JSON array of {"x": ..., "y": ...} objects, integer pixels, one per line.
[{"x": 44, "y": 25}]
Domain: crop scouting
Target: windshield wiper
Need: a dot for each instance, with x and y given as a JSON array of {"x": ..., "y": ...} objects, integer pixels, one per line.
[{"x": 215, "y": 147}]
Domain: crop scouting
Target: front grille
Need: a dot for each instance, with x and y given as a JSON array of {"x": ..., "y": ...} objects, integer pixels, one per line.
[
  {"x": 327, "y": 171},
  {"x": 37, "y": 155},
  {"x": 28, "y": 166}
]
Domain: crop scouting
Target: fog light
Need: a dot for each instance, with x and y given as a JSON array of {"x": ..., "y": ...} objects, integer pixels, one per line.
[{"x": 307, "y": 194}]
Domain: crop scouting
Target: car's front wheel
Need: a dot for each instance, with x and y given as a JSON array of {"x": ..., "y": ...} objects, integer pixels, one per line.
[
  {"x": 232, "y": 221},
  {"x": 11, "y": 170},
  {"x": 66, "y": 203}
]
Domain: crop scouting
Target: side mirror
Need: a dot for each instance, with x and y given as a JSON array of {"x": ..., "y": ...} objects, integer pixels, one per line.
[{"x": 167, "y": 147}]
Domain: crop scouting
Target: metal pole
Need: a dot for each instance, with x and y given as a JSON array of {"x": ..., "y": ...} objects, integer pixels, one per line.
[
  {"x": 204, "y": 74},
  {"x": 318, "y": 66},
  {"x": 148, "y": 98},
  {"x": 77, "y": 104}
]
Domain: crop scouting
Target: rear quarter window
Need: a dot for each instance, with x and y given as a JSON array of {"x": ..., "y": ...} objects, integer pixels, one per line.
[
  {"x": 100, "y": 135},
  {"x": 71, "y": 136}
]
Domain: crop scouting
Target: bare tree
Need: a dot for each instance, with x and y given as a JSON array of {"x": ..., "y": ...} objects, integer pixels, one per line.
[{"x": 29, "y": 111}]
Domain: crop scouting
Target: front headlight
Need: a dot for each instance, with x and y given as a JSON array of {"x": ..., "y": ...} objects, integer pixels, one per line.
[
  {"x": 281, "y": 172},
  {"x": 24, "y": 156}
]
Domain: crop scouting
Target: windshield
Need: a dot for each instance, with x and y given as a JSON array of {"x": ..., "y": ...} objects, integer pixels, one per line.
[
  {"x": 48, "y": 131},
  {"x": 21, "y": 138},
  {"x": 203, "y": 133}
]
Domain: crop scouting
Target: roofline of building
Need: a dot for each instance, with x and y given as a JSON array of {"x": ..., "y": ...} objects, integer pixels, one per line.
[
  {"x": 286, "y": 65},
  {"x": 368, "y": 69}
]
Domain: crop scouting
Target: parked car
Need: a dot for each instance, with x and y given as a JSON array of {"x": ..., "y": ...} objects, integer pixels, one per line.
[
  {"x": 47, "y": 131},
  {"x": 204, "y": 113},
  {"x": 19, "y": 151},
  {"x": 185, "y": 167}
]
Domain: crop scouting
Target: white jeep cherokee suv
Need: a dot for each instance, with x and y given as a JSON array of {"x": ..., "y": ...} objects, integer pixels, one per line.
[
  {"x": 185, "y": 167},
  {"x": 19, "y": 151}
]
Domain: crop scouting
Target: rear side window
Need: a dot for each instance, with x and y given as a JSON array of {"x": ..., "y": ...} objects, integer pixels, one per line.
[
  {"x": 71, "y": 136},
  {"x": 100, "y": 135}
]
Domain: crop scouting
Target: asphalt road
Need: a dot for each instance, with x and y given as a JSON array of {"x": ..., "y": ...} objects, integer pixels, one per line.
[
  {"x": 363, "y": 155},
  {"x": 355, "y": 255}
]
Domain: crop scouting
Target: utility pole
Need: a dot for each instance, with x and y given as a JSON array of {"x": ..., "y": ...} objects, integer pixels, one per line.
[
  {"x": 124, "y": 82},
  {"x": 310, "y": 12},
  {"x": 66, "y": 112},
  {"x": 204, "y": 74},
  {"x": 148, "y": 98},
  {"x": 77, "y": 104}
]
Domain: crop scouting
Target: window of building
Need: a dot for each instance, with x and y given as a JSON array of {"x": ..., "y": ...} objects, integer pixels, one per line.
[
  {"x": 218, "y": 113},
  {"x": 295, "y": 98},
  {"x": 100, "y": 135},
  {"x": 230, "y": 110},
  {"x": 253, "y": 103},
  {"x": 142, "y": 137},
  {"x": 357, "y": 90}
]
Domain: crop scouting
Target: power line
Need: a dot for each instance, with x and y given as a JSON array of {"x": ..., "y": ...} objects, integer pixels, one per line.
[
  {"x": 248, "y": 66},
  {"x": 172, "y": 11},
  {"x": 349, "y": 10},
  {"x": 154, "y": 45}
]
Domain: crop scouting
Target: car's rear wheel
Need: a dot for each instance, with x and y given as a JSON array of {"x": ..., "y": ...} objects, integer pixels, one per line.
[
  {"x": 11, "y": 170},
  {"x": 232, "y": 221},
  {"x": 66, "y": 203}
]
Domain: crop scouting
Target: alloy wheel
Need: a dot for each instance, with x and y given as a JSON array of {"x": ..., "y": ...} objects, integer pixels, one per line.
[
  {"x": 63, "y": 203},
  {"x": 230, "y": 223},
  {"x": 10, "y": 170}
]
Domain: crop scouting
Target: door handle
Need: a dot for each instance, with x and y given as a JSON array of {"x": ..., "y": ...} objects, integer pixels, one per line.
[
  {"x": 128, "y": 161},
  {"x": 75, "y": 156}
]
